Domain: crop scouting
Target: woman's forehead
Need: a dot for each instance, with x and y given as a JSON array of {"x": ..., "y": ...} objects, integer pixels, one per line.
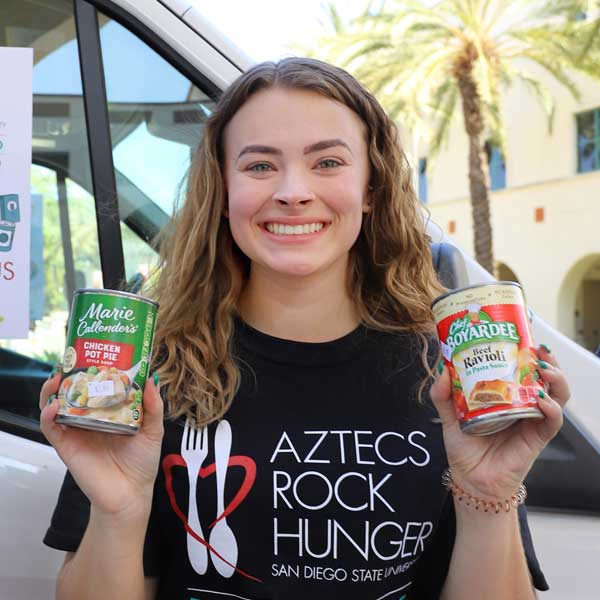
[{"x": 294, "y": 117}]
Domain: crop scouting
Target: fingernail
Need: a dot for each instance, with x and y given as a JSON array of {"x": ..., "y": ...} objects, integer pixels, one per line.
[
  {"x": 440, "y": 366},
  {"x": 155, "y": 379},
  {"x": 541, "y": 394},
  {"x": 51, "y": 398},
  {"x": 543, "y": 364},
  {"x": 55, "y": 370},
  {"x": 545, "y": 348}
]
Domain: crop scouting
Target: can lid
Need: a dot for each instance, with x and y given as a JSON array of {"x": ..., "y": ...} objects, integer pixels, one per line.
[
  {"x": 471, "y": 287},
  {"x": 115, "y": 293}
]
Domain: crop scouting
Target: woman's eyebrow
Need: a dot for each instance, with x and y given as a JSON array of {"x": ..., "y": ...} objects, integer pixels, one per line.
[
  {"x": 324, "y": 144},
  {"x": 259, "y": 149},
  {"x": 316, "y": 147}
]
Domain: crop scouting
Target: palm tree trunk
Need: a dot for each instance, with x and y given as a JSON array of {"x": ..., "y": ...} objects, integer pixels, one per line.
[{"x": 480, "y": 202}]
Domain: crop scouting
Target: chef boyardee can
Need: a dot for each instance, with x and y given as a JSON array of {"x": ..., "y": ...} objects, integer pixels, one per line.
[
  {"x": 105, "y": 365},
  {"x": 487, "y": 346}
]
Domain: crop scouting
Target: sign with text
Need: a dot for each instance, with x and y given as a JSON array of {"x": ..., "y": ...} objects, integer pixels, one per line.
[{"x": 16, "y": 99}]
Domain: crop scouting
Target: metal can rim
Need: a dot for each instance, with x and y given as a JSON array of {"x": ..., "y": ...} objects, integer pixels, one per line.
[
  {"x": 115, "y": 293},
  {"x": 97, "y": 424},
  {"x": 471, "y": 287},
  {"x": 500, "y": 416}
]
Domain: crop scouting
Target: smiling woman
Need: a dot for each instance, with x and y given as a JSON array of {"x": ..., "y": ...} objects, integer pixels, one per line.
[
  {"x": 295, "y": 350},
  {"x": 280, "y": 188}
]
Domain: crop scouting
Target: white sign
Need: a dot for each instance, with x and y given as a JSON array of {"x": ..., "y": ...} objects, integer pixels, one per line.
[{"x": 16, "y": 99}]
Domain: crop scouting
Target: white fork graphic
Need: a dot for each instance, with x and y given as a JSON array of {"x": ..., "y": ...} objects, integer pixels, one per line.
[{"x": 194, "y": 448}]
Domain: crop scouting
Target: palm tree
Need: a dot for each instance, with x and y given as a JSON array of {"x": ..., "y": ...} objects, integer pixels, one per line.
[{"x": 420, "y": 59}]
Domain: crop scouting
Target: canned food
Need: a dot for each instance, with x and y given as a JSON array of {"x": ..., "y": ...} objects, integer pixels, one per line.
[
  {"x": 487, "y": 346},
  {"x": 106, "y": 361}
]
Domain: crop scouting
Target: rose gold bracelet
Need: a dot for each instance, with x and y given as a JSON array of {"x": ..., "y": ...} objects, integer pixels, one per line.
[{"x": 513, "y": 502}]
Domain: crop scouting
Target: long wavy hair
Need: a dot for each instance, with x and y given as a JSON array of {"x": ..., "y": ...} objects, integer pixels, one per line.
[{"x": 203, "y": 273}]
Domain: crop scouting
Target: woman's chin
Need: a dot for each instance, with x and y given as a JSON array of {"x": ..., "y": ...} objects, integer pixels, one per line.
[{"x": 296, "y": 270}]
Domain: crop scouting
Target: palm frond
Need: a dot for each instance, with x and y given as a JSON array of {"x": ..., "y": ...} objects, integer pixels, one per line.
[
  {"x": 362, "y": 51},
  {"x": 444, "y": 115},
  {"x": 590, "y": 39},
  {"x": 405, "y": 52},
  {"x": 555, "y": 69},
  {"x": 331, "y": 18},
  {"x": 544, "y": 96}
]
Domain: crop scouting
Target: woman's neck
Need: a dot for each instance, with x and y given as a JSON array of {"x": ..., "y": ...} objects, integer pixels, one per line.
[{"x": 315, "y": 308}]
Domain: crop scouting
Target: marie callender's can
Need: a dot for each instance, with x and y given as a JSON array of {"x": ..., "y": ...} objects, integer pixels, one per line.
[
  {"x": 487, "y": 346},
  {"x": 106, "y": 361}
]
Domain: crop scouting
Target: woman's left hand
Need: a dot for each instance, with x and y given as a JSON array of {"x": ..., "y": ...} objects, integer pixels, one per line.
[{"x": 493, "y": 466}]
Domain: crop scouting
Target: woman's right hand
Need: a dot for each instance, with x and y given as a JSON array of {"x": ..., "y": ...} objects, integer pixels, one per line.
[{"x": 116, "y": 472}]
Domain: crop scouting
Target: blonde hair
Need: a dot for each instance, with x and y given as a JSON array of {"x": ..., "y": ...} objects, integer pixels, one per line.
[{"x": 203, "y": 272}]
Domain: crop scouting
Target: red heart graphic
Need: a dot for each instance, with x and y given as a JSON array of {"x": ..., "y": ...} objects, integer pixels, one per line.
[{"x": 249, "y": 466}]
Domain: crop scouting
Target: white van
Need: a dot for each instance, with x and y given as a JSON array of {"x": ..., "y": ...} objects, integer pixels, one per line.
[{"x": 121, "y": 91}]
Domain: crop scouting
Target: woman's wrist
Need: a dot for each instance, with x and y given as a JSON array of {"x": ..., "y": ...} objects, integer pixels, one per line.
[
  {"x": 131, "y": 517},
  {"x": 501, "y": 500}
]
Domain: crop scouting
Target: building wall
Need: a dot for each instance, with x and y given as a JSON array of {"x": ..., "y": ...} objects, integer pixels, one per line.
[{"x": 551, "y": 257}]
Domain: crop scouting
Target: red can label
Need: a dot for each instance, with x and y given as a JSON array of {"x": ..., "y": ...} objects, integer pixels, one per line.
[{"x": 487, "y": 345}]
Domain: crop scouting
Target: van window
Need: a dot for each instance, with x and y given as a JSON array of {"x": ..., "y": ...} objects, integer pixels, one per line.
[{"x": 156, "y": 121}]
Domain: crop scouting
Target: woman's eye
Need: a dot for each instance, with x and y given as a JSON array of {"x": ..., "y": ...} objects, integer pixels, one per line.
[
  {"x": 328, "y": 163},
  {"x": 259, "y": 167}
]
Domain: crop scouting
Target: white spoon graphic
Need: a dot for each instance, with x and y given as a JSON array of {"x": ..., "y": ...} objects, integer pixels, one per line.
[{"x": 117, "y": 399}]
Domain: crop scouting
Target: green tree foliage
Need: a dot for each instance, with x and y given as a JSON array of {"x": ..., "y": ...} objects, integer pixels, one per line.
[{"x": 84, "y": 237}]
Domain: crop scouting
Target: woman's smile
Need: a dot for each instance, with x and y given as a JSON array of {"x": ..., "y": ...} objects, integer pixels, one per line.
[{"x": 295, "y": 231}]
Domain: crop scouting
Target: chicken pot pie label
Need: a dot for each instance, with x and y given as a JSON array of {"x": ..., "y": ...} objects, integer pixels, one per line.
[
  {"x": 105, "y": 365},
  {"x": 487, "y": 345}
]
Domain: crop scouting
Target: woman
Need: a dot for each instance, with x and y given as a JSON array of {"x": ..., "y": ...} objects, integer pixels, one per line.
[{"x": 295, "y": 330}]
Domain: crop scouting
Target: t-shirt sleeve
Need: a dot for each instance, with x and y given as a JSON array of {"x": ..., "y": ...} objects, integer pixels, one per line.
[
  {"x": 70, "y": 519},
  {"x": 532, "y": 562},
  {"x": 432, "y": 568}
]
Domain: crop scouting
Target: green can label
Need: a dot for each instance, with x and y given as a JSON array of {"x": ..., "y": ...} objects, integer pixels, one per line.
[{"x": 105, "y": 365}]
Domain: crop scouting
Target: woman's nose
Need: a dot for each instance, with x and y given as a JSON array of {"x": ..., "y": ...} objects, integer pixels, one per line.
[
  {"x": 293, "y": 192},
  {"x": 294, "y": 199}
]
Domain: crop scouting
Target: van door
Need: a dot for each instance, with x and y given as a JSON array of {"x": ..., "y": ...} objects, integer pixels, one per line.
[{"x": 114, "y": 127}]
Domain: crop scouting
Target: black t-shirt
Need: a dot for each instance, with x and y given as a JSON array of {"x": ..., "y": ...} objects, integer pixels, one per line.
[{"x": 327, "y": 482}]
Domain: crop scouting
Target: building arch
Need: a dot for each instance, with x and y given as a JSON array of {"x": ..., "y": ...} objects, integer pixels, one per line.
[
  {"x": 579, "y": 302},
  {"x": 505, "y": 273}
]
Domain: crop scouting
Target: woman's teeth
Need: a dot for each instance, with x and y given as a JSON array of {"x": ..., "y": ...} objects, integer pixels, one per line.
[{"x": 293, "y": 229}]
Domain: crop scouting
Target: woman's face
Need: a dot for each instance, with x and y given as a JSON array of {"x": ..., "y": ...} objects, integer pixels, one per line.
[{"x": 296, "y": 171}]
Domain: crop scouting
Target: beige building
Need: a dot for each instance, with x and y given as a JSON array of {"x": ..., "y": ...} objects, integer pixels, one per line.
[{"x": 546, "y": 220}]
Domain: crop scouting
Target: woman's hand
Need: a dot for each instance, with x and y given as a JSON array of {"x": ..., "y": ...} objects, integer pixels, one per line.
[
  {"x": 116, "y": 472},
  {"x": 492, "y": 467}
]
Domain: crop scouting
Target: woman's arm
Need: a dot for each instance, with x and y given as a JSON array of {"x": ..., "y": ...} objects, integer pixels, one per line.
[
  {"x": 488, "y": 560},
  {"x": 109, "y": 560},
  {"x": 117, "y": 474}
]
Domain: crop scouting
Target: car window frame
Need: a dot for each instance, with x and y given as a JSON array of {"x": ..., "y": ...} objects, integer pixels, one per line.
[{"x": 103, "y": 175}]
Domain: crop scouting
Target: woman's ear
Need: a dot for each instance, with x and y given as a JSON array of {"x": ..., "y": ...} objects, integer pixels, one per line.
[{"x": 367, "y": 205}]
